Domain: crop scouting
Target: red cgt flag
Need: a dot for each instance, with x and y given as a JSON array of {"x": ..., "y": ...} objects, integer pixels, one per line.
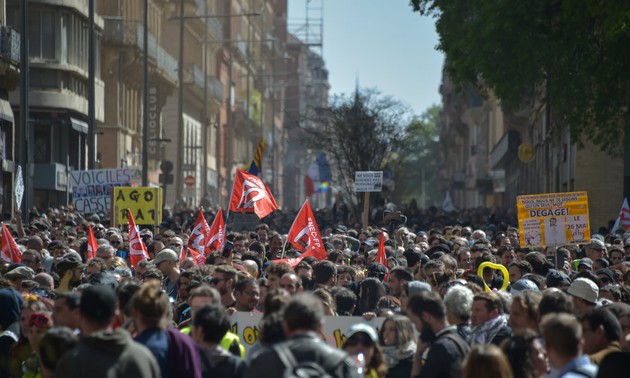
[
  {"x": 250, "y": 194},
  {"x": 304, "y": 234},
  {"x": 199, "y": 234},
  {"x": 92, "y": 244},
  {"x": 381, "y": 257},
  {"x": 10, "y": 250},
  {"x": 197, "y": 257},
  {"x": 216, "y": 234},
  {"x": 137, "y": 249}
]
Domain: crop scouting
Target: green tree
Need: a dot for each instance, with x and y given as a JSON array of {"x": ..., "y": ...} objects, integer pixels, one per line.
[
  {"x": 572, "y": 54},
  {"x": 358, "y": 132},
  {"x": 416, "y": 161}
]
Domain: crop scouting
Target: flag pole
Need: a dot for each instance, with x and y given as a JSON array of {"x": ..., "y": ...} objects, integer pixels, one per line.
[
  {"x": 292, "y": 224},
  {"x": 227, "y": 213}
]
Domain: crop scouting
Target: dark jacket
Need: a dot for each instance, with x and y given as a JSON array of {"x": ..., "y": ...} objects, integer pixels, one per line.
[
  {"x": 305, "y": 347},
  {"x": 217, "y": 362},
  {"x": 108, "y": 354},
  {"x": 445, "y": 356}
]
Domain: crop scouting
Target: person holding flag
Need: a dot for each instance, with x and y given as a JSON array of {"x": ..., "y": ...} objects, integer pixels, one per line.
[
  {"x": 10, "y": 250},
  {"x": 250, "y": 194},
  {"x": 216, "y": 234},
  {"x": 305, "y": 237},
  {"x": 137, "y": 249}
]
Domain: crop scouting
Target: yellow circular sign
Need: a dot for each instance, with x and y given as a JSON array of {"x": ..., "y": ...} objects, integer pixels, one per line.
[{"x": 526, "y": 152}]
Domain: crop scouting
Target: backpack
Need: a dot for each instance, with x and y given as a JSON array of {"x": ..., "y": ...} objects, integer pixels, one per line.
[{"x": 305, "y": 369}]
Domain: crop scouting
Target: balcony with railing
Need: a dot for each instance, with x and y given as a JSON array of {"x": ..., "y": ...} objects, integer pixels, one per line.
[
  {"x": 131, "y": 34},
  {"x": 214, "y": 86}
]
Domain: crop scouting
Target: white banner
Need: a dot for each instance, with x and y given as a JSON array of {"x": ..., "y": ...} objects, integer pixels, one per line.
[
  {"x": 246, "y": 326},
  {"x": 92, "y": 190}
]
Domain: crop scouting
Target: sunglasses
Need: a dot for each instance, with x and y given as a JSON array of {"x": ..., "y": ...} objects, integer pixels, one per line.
[
  {"x": 115, "y": 242},
  {"x": 357, "y": 339}
]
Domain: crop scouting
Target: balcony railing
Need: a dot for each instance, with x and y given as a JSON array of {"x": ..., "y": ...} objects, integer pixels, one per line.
[
  {"x": 214, "y": 86},
  {"x": 131, "y": 33}
]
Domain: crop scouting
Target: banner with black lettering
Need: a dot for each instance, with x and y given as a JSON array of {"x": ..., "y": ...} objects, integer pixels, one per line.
[
  {"x": 247, "y": 326},
  {"x": 553, "y": 219}
]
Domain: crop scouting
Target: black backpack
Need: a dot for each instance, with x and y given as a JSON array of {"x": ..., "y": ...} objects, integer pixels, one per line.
[{"x": 305, "y": 369}]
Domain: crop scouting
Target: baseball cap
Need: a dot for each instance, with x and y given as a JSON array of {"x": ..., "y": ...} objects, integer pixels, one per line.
[
  {"x": 341, "y": 229},
  {"x": 146, "y": 231},
  {"x": 556, "y": 278},
  {"x": 370, "y": 242},
  {"x": 523, "y": 285},
  {"x": 365, "y": 328},
  {"x": 98, "y": 303},
  {"x": 608, "y": 273},
  {"x": 165, "y": 255},
  {"x": 585, "y": 289},
  {"x": 586, "y": 262},
  {"x": 377, "y": 270},
  {"x": 21, "y": 272},
  {"x": 70, "y": 260}
]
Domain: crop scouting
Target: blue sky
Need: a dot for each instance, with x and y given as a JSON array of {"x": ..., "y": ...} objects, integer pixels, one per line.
[{"x": 383, "y": 44}]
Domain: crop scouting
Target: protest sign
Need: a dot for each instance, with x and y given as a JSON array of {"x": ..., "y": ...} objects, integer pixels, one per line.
[
  {"x": 92, "y": 189},
  {"x": 553, "y": 219},
  {"x": 145, "y": 204},
  {"x": 246, "y": 326}
]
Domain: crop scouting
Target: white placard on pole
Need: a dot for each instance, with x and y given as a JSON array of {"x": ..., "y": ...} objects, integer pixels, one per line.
[
  {"x": 368, "y": 181},
  {"x": 19, "y": 187}
]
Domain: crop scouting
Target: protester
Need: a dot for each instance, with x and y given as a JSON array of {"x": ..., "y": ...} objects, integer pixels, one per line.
[
  {"x": 398, "y": 343},
  {"x": 563, "y": 335},
  {"x": 486, "y": 361},
  {"x": 302, "y": 322},
  {"x": 101, "y": 348}
]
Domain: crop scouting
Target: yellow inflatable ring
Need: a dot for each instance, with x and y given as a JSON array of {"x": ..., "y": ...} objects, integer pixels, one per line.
[{"x": 506, "y": 274}]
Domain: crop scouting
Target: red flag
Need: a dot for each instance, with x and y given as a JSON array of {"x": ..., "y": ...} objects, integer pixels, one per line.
[
  {"x": 197, "y": 257},
  {"x": 137, "y": 249},
  {"x": 292, "y": 261},
  {"x": 197, "y": 240},
  {"x": 10, "y": 250},
  {"x": 623, "y": 220},
  {"x": 92, "y": 244},
  {"x": 304, "y": 234},
  {"x": 250, "y": 194},
  {"x": 216, "y": 234},
  {"x": 381, "y": 257}
]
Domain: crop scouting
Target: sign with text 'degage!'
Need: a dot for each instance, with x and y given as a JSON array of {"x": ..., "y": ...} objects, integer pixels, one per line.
[{"x": 553, "y": 219}]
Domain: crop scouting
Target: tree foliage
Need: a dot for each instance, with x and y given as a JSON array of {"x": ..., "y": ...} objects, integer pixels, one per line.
[
  {"x": 416, "y": 161},
  {"x": 358, "y": 132},
  {"x": 574, "y": 54}
]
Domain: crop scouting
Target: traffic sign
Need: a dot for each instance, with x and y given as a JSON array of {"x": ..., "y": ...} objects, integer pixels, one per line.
[{"x": 190, "y": 181}]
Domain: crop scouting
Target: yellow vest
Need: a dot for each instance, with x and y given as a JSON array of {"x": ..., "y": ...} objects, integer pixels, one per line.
[{"x": 230, "y": 342}]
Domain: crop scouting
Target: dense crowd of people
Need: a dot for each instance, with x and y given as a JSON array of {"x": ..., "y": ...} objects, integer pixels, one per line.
[{"x": 459, "y": 297}]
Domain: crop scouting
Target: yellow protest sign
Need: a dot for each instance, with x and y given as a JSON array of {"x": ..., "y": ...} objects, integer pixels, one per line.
[
  {"x": 553, "y": 219},
  {"x": 145, "y": 204}
]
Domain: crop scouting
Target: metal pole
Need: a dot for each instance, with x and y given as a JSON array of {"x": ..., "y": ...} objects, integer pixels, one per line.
[
  {"x": 180, "y": 107},
  {"x": 91, "y": 158},
  {"x": 230, "y": 132},
  {"x": 24, "y": 115},
  {"x": 145, "y": 99},
  {"x": 204, "y": 120}
]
